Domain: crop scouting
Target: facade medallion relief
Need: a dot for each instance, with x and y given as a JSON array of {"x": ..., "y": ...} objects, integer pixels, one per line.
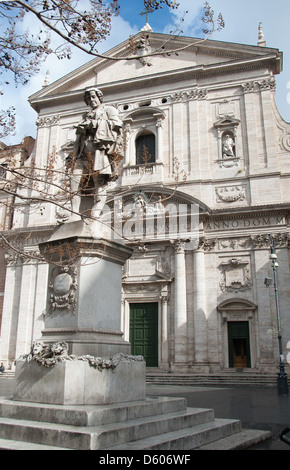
[{"x": 230, "y": 193}]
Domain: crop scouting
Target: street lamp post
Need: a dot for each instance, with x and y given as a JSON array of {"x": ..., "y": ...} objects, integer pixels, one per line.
[{"x": 282, "y": 376}]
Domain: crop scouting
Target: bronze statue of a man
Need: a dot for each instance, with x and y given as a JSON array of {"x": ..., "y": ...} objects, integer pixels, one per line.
[{"x": 97, "y": 147}]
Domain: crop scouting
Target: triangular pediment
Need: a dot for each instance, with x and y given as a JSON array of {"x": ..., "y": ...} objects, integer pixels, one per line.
[
  {"x": 227, "y": 121},
  {"x": 170, "y": 54}
]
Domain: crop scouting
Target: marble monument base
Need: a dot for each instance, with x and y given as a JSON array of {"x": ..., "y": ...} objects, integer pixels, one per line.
[
  {"x": 76, "y": 382},
  {"x": 100, "y": 343},
  {"x": 84, "y": 291}
]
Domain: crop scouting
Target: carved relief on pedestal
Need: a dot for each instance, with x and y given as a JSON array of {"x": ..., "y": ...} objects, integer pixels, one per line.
[{"x": 62, "y": 287}]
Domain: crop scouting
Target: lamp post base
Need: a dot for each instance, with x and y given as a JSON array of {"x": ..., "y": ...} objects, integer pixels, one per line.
[{"x": 282, "y": 383}]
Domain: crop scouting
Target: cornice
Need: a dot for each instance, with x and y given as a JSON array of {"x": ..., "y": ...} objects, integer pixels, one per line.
[
  {"x": 271, "y": 61},
  {"x": 241, "y": 212}
]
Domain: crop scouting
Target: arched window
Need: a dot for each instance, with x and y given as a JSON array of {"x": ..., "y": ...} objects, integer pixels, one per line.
[{"x": 145, "y": 149}]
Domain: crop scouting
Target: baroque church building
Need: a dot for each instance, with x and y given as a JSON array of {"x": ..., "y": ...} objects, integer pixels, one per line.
[{"x": 216, "y": 174}]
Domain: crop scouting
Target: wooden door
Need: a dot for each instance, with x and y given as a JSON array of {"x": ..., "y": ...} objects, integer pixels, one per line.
[
  {"x": 239, "y": 344},
  {"x": 144, "y": 332}
]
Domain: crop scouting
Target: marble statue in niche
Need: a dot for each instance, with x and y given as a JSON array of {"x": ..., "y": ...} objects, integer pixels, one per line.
[{"x": 228, "y": 146}]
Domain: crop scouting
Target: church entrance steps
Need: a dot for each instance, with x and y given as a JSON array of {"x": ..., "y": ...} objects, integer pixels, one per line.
[
  {"x": 155, "y": 423},
  {"x": 243, "y": 440},
  {"x": 223, "y": 434},
  {"x": 243, "y": 378},
  {"x": 8, "y": 374},
  {"x": 186, "y": 439}
]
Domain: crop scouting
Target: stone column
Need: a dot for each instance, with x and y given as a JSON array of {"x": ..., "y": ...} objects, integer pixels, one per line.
[
  {"x": 180, "y": 311},
  {"x": 159, "y": 140},
  {"x": 164, "y": 330},
  {"x": 200, "y": 320},
  {"x": 127, "y": 134}
]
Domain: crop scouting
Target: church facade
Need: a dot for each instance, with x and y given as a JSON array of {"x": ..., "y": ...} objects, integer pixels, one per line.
[{"x": 203, "y": 183}]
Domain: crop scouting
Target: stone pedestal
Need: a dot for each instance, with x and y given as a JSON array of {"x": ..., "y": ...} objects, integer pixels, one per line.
[
  {"x": 77, "y": 382},
  {"x": 84, "y": 297},
  {"x": 82, "y": 357}
]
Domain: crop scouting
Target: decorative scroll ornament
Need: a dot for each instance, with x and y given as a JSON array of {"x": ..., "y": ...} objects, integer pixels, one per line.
[{"x": 285, "y": 142}]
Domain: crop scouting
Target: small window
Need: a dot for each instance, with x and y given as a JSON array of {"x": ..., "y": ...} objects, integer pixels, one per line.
[
  {"x": 145, "y": 149},
  {"x": 3, "y": 170}
]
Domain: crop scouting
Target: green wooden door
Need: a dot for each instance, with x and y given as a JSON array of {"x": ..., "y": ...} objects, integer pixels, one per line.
[
  {"x": 239, "y": 344},
  {"x": 144, "y": 332}
]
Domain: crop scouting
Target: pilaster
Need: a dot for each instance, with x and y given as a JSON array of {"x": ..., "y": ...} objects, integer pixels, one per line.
[
  {"x": 7, "y": 333},
  {"x": 26, "y": 308},
  {"x": 200, "y": 309}
]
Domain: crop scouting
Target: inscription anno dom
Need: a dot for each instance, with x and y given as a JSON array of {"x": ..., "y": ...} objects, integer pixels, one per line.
[{"x": 244, "y": 223}]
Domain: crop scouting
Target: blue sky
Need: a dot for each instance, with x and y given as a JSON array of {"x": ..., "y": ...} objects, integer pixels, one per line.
[{"x": 241, "y": 26}]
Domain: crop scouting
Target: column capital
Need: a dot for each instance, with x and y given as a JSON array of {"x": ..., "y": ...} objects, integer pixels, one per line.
[
  {"x": 164, "y": 299},
  {"x": 178, "y": 245}
]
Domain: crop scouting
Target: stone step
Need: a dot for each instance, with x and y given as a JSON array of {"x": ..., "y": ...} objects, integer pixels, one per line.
[
  {"x": 8, "y": 374},
  {"x": 218, "y": 379},
  {"x": 9, "y": 444},
  {"x": 242, "y": 440},
  {"x": 90, "y": 415},
  {"x": 185, "y": 439},
  {"x": 103, "y": 436}
]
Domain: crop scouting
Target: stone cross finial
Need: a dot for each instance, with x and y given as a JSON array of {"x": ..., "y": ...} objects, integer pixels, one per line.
[{"x": 147, "y": 26}]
